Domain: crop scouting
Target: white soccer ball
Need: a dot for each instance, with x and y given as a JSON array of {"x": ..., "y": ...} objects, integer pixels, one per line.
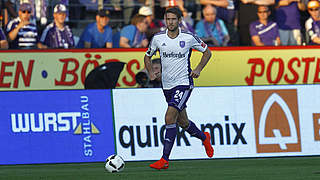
[{"x": 114, "y": 163}]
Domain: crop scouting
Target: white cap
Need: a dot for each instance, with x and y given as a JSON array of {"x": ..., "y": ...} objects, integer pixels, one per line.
[
  {"x": 145, "y": 11},
  {"x": 60, "y": 8}
]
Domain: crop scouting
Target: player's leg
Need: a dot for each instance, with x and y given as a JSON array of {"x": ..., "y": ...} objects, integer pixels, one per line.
[
  {"x": 189, "y": 126},
  {"x": 193, "y": 130},
  {"x": 170, "y": 135},
  {"x": 171, "y": 128},
  {"x": 171, "y": 131}
]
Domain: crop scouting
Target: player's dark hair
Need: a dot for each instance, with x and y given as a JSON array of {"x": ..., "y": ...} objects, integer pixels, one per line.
[{"x": 174, "y": 10}]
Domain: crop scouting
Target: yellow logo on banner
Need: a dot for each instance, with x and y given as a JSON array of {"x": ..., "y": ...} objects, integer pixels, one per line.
[{"x": 94, "y": 129}]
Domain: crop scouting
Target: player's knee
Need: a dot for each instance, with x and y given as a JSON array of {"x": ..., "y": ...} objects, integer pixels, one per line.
[
  {"x": 170, "y": 119},
  {"x": 183, "y": 123}
]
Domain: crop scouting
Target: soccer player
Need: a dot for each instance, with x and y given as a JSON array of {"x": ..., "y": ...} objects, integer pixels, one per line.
[{"x": 174, "y": 46}]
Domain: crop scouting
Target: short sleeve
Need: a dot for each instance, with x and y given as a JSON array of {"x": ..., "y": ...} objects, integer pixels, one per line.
[
  {"x": 109, "y": 35},
  {"x": 2, "y": 35},
  {"x": 128, "y": 32},
  {"x": 200, "y": 30},
  {"x": 44, "y": 36},
  {"x": 10, "y": 27},
  {"x": 86, "y": 35},
  {"x": 253, "y": 30},
  {"x": 152, "y": 48},
  {"x": 223, "y": 27},
  {"x": 198, "y": 44}
]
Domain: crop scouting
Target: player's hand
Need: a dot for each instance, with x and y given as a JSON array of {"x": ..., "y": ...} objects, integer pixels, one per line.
[{"x": 195, "y": 73}]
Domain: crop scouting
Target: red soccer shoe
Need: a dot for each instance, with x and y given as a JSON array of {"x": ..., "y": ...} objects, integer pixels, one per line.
[
  {"x": 207, "y": 145},
  {"x": 161, "y": 164}
]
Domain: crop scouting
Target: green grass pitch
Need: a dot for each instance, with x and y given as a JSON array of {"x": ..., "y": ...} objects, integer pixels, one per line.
[{"x": 288, "y": 168}]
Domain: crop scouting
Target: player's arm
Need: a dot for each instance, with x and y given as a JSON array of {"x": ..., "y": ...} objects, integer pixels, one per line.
[
  {"x": 204, "y": 60},
  {"x": 148, "y": 65}
]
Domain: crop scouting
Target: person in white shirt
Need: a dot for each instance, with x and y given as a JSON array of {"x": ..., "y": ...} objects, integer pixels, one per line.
[{"x": 174, "y": 46}]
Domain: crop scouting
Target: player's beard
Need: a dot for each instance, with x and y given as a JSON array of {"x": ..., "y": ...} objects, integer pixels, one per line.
[{"x": 172, "y": 28}]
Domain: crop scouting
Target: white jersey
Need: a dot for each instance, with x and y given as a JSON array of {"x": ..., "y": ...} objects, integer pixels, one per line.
[{"x": 175, "y": 56}]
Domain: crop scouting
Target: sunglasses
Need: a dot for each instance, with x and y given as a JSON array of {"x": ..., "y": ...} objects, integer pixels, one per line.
[
  {"x": 313, "y": 9},
  {"x": 26, "y": 12},
  {"x": 263, "y": 12}
]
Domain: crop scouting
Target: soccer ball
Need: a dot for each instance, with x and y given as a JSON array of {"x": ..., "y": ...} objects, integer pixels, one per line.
[{"x": 114, "y": 163}]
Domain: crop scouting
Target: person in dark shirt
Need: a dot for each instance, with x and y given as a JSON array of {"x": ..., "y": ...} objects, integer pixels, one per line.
[
  {"x": 57, "y": 34},
  {"x": 22, "y": 33}
]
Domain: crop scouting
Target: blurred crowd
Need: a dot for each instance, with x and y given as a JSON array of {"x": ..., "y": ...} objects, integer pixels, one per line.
[{"x": 29, "y": 24}]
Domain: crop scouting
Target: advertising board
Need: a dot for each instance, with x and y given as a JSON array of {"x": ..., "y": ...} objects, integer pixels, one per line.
[
  {"x": 252, "y": 121},
  {"x": 229, "y": 66},
  {"x": 56, "y": 126}
]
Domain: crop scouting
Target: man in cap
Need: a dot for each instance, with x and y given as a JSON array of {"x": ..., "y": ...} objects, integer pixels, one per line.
[
  {"x": 22, "y": 33},
  {"x": 313, "y": 23},
  {"x": 57, "y": 34},
  {"x": 98, "y": 34},
  {"x": 155, "y": 25}
]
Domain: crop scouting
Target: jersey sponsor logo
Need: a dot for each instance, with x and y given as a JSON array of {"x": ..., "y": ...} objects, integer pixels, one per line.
[
  {"x": 276, "y": 119},
  {"x": 182, "y": 44},
  {"x": 173, "y": 55},
  {"x": 316, "y": 126}
]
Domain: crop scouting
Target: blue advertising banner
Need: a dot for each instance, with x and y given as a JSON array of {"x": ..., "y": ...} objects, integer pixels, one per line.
[{"x": 56, "y": 126}]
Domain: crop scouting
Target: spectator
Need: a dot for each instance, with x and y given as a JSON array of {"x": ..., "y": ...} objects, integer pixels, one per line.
[
  {"x": 57, "y": 34},
  {"x": 98, "y": 34},
  {"x": 212, "y": 29},
  {"x": 134, "y": 36},
  {"x": 313, "y": 23},
  {"x": 21, "y": 32},
  {"x": 3, "y": 40},
  {"x": 227, "y": 12},
  {"x": 288, "y": 20},
  {"x": 143, "y": 78},
  {"x": 219, "y": 4},
  {"x": 247, "y": 13},
  {"x": 155, "y": 25},
  {"x": 263, "y": 31}
]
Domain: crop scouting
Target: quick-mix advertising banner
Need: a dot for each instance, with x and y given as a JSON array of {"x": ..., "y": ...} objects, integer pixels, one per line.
[
  {"x": 67, "y": 69},
  {"x": 259, "y": 121},
  {"x": 55, "y": 126}
]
